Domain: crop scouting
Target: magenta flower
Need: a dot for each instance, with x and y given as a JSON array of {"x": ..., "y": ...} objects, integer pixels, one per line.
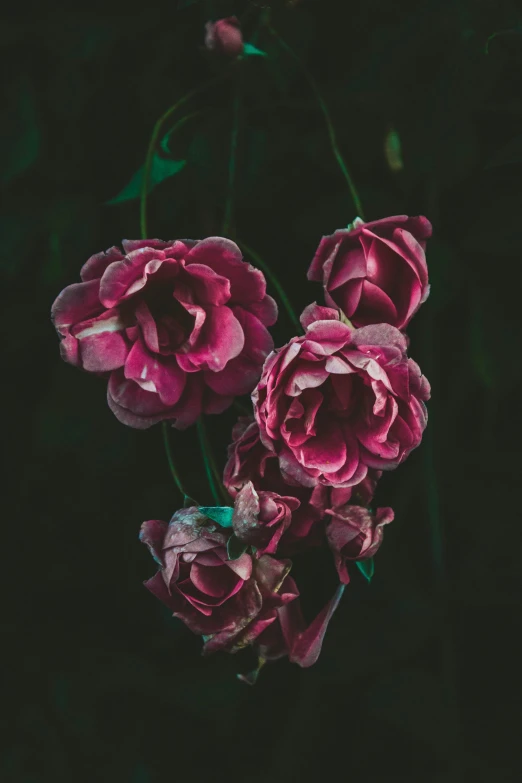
[
  {"x": 224, "y": 37},
  {"x": 376, "y": 272},
  {"x": 230, "y": 602},
  {"x": 178, "y": 328},
  {"x": 338, "y": 401},
  {"x": 355, "y": 533}
]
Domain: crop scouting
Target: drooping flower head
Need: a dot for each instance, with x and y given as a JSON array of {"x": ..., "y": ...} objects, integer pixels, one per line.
[
  {"x": 178, "y": 328},
  {"x": 228, "y": 601},
  {"x": 224, "y": 37}
]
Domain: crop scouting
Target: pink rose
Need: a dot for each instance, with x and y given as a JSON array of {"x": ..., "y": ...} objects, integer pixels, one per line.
[
  {"x": 338, "y": 401},
  {"x": 249, "y": 460},
  {"x": 224, "y": 37},
  {"x": 376, "y": 272},
  {"x": 178, "y": 328},
  {"x": 355, "y": 533},
  {"x": 229, "y": 602}
]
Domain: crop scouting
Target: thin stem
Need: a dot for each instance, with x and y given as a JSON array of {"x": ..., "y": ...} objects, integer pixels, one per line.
[
  {"x": 329, "y": 124},
  {"x": 275, "y": 282},
  {"x": 170, "y": 459},
  {"x": 154, "y": 140},
  {"x": 232, "y": 164},
  {"x": 213, "y": 476}
]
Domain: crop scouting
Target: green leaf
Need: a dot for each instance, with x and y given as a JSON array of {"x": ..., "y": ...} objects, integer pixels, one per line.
[
  {"x": 235, "y": 548},
  {"x": 366, "y": 567},
  {"x": 188, "y": 502},
  {"x": 161, "y": 169},
  {"x": 220, "y": 514},
  {"x": 250, "y": 49}
]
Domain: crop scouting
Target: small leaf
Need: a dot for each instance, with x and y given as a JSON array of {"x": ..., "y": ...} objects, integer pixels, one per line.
[
  {"x": 235, "y": 548},
  {"x": 393, "y": 150},
  {"x": 161, "y": 169},
  {"x": 188, "y": 502},
  {"x": 250, "y": 49},
  {"x": 220, "y": 514},
  {"x": 366, "y": 567}
]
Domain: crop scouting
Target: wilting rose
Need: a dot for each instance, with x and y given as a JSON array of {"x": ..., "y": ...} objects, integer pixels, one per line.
[
  {"x": 179, "y": 328},
  {"x": 290, "y": 635},
  {"x": 224, "y": 37},
  {"x": 249, "y": 460},
  {"x": 375, "y": 272},
  {"x": 230, "y": 602},
  {"x": 261, "y": 518},
  {"x": 355, "y": 533},
  {"x": 338, "y": 401}
]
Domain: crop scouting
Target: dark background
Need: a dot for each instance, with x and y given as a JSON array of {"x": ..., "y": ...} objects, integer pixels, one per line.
[{"x": 419, "y": 678}]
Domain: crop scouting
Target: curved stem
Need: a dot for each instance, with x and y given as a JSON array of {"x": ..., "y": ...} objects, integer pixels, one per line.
[
  {"x": 232, "y": 164},
  {"x": 213, "y": 476},
  {"x": 329, "y": 124},
  {"x": 153, "y": 142},
  {"x": 170, "y": 459},
  {"x": 275, "y": 282}
]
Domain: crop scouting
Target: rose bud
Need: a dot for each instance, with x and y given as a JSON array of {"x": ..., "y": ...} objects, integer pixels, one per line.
[
  {"x": 229, "y": 602},
  {"x": 338, "y": 401},
  {"x": 178, "y": 328},
  {"x": 261, "y": 518},
  {"x": 375, "y": 272},
  {"x": 224, "y": 37},
  {"x": 355, "y": 533}
]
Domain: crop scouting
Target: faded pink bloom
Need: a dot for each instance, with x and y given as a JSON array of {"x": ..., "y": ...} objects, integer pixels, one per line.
[
  {"x": 291, "y": 636},
  {"x": 178, "y": 328},
  {"x": 338, "y": 401},
  {"x": 375, "y": 272},
  {"x": 229, "y": 602},
  {"x": 224, "y": 37},
  {"x": 355, "y": 533}
]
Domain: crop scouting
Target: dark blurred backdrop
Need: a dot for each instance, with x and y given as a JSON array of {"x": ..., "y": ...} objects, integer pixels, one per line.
[{"x": 419, "y": 679}]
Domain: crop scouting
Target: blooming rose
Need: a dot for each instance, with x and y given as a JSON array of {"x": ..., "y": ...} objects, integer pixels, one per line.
[
  {"x": 177, "y": 327},
  {"x": 249, "y": 460},
  {"x": 230, "y": 602},
  {"x": 224, "y": 37},
  {"x": 338, "y": 401},
  {"x": 375, "y": 272},
  {"x": 354, "y": 533}
]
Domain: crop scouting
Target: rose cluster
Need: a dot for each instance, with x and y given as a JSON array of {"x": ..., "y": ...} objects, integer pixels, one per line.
[{"x": 178, "y": 329}]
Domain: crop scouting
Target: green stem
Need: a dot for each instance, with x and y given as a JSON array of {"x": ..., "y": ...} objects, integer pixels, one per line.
[
  {"x": 232, "y": 164},
  {"x": 153, "y": 142},
  {"x": 329, "y": 124},
  {"x": 170, "y": 459},
  {"x": 275, "y": 282},
  {"x": 214, "y": 479}
]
